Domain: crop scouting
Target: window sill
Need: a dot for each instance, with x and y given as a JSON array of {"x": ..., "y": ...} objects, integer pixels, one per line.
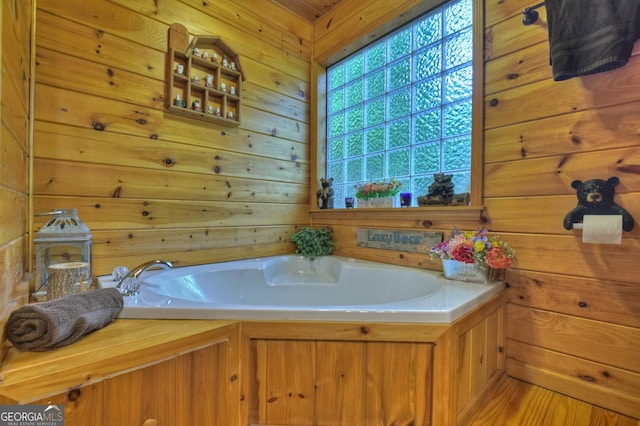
[{"x": 423, "y": 217}]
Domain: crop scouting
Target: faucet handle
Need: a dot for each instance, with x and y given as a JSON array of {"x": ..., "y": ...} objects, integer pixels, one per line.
[
  {"x": 119, "y": 273},
  {"x": 130, "y": 286}
]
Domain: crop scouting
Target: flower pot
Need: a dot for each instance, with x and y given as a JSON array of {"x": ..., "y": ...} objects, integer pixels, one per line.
[
  {"x": 471, "y": 272},
  {"x": 376, "y": 202}
]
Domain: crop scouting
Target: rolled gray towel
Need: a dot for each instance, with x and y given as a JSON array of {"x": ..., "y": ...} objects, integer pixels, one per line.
[{"x": 60, "y": 322}]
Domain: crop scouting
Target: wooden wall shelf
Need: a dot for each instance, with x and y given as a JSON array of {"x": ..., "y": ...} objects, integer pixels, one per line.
[{"x": 204, "y": 78}]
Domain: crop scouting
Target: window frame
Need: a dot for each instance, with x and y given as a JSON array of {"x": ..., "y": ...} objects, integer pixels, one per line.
[{"x": 319, "y": 117}]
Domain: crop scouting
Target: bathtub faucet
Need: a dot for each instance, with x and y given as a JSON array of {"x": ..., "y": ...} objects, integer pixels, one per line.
[{"x": 130, "y": 284}]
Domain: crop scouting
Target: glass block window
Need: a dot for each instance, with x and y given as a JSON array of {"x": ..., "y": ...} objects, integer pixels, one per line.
[{"x": 400, "y": 108}]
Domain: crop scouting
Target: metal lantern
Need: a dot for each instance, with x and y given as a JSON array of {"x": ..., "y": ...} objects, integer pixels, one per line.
[{"x": 63, "y": 255}]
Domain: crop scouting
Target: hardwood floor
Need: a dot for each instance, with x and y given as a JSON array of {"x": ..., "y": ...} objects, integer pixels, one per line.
[{"x": 513, "y": 402}]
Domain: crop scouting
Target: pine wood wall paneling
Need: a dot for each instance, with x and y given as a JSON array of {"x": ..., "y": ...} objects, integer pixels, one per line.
[
  {"x": 99, "y": 46},
  {"x": 584, "y": 131},
  {"x": 148, "y": 23},
  {"x": 568, "y": 255},
  {"x": 294, "y": 40},
  {"x": 154, "y": 154},
  {"x": 114, "y": 213},
  {"x": 279, "y": 17},
  {"x": 14, "y": 169},
  {"x": 201, "y": 192},
  {"x": 362, "y": 22},
  {"x": 597, "y": 299},
  {"x": 15, "y": 54},
  {"x": 57, "y": 177},
  {"x": 523, "y": 103},
  {"x": 553, "y": 174},
  {"x": 119, "y": 243},
  {"x": 184, "y": 256},
  {"x": 13, "y": 223},
  {"x": 79, "y": 140},
  {"x": 563, "y": 292},
  {"x": 56, "y": 105}
]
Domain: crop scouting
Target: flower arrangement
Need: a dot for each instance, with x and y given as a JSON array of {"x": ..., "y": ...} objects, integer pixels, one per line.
[
  {"x": 382, "y": 189},
  {"x": 475, "y": 247}
]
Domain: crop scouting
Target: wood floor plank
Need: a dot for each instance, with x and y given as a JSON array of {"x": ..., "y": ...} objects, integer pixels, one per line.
[
  {"x": 493, "y": 406},
  {"x": 603, "y": 417},
  {"x": 512, "y": 402},
  {"x": 567, "y": 411}
]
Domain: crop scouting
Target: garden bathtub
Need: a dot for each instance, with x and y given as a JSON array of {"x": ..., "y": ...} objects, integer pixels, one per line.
[{"x": 330, "y": 288}]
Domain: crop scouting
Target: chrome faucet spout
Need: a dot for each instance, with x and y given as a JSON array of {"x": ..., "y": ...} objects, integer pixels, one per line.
[{"x": 135, "y": 274}]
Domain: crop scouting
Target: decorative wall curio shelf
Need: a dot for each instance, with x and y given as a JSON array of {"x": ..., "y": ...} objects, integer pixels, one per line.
[{"x": 205, "y": 78}]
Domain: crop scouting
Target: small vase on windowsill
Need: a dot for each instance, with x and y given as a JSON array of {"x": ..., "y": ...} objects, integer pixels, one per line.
[
  {"x": 375, "y": 202},
  {"x": 471, "y": 272}
]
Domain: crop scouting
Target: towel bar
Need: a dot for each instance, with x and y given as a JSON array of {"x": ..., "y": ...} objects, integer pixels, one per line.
[{"x": 530, "y": 14}]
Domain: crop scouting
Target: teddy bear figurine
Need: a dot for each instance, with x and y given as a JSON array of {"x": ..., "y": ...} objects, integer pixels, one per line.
[
  {"x": 325, "y": 194},
  {"x": 595, "y": 197}
]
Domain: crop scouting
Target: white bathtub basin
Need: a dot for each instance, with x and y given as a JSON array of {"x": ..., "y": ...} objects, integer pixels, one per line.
[{"x": 294, "y": 288}]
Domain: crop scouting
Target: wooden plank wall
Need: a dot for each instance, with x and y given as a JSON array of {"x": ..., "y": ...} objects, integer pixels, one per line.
[
  {"x": 574, "y": 318},
  {"x": 15, "y": 48},
  {"x": 150, "y": 184},
  {"x": 574, "y": 312}
]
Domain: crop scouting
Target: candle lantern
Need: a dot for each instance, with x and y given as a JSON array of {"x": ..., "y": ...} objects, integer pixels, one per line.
[{"x": 63, "y": 255}]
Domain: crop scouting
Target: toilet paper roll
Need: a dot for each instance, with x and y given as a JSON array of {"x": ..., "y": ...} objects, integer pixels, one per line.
[{"x": 602, "y": 229}]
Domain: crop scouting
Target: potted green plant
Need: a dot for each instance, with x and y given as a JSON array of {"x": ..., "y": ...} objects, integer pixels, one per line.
[{"x": 313, "y": 242}]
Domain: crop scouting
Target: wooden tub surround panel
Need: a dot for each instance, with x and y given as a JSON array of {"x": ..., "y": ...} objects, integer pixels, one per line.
[{"x": 214, "y": 372}]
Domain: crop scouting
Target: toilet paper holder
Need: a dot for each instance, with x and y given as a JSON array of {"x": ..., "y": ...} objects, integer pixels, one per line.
[{"x": 595, "y": 197}]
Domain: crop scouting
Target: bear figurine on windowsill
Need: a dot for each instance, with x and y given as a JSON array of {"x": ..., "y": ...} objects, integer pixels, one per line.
[{"x": 325, "y": 194}]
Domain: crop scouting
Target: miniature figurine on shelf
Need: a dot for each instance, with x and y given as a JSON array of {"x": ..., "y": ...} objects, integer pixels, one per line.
[
  {"x": 196, "y": 79},
  {"x": 232, "y": 90},
  {"x": 230, "y": 115},
  {"x": 223, "y": 87},
  {"x": 214, "y": 57},
  {"x": 217, "y": 112},
  {"x": 180, "y": 69},
  {"x": 205, "y": 54},
  {"x": 233, "y": 66},
  {"x": 195, "y": 105},
  {"x": 225, "y": 62},
  {"x": 196, "y": 51},
  {"x": 179, "y": 102},
  {"x": 209, "y": 80},
  {"x": 325, "y": 194},
  {"x": 210, "y": 109}
]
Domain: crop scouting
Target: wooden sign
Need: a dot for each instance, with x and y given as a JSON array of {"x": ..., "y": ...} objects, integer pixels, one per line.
[{"x": 388, "y": 239}]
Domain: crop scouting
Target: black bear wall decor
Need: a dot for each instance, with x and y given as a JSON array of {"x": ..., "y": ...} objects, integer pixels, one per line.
[{"x": 595, "y": 197}]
